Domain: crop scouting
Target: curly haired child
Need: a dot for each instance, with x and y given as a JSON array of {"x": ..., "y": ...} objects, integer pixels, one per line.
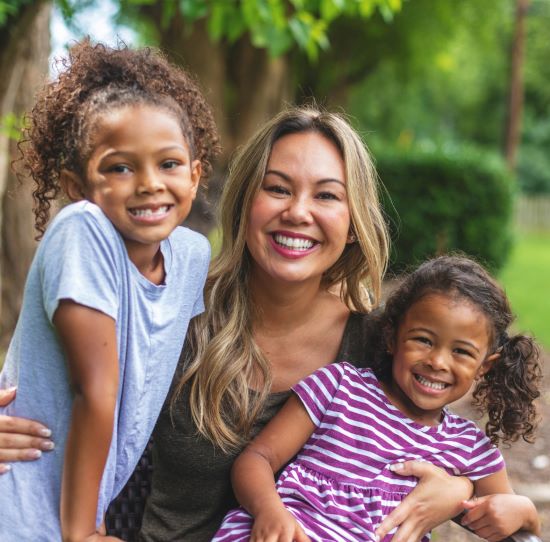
[
  {"x": 127, "y": 137},
  {"x": 443, "y": 330}
]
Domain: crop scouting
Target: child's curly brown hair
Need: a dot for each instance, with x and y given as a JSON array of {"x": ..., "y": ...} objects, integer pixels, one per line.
[
  {"x": 96, "y": 79},
  {"x": 506, "y": 392}
]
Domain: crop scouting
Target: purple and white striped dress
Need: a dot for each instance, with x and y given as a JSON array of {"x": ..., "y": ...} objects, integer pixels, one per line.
[{"x": 339, "y": 486}]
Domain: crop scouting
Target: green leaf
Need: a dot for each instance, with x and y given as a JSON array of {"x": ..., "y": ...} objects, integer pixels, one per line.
[
  {"x": 216, "y": 21},
  {"x": 192, "y": 9},
  {"x": 11, "y": 125},
  {"x": 330, "y": 9}
]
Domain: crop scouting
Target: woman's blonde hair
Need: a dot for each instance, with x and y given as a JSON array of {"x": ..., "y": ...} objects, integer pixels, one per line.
[{"x": 221, "y": 358}]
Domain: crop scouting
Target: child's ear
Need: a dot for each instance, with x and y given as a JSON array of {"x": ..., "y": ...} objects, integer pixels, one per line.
[
  {"x": 487, "y": 364},
  {"x": 196, "y": 172},
  {"x": 72, "y": 185}
]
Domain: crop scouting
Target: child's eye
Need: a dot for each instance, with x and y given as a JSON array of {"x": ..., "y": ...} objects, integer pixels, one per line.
[
  {"x": 463, "y": 352},
  {"x": 277, "y": 189},
  {"x": 423, "y": 340},
  {"x": 170, "y": 164},
  {"x": 119, "y": 168}
]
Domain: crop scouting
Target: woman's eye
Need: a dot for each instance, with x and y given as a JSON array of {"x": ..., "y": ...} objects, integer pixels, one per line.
[
  {"x": 277, "y": 189},
  {"x": 327, "y": 196}
]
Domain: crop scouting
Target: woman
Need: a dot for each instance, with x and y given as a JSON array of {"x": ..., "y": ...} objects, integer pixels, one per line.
[{"x": 303, "y": 252}]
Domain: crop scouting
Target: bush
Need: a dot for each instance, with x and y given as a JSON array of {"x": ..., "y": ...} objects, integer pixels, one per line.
[{"x": 441, "y": 201}]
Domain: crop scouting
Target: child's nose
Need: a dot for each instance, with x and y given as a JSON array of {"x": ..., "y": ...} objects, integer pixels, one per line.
[
  {"x": 438, "y": 359},
  {"x": 149, "y": 182}
]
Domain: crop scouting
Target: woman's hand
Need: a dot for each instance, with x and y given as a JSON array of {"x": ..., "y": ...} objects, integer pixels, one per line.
[
  {"x": 437, "y": 498},
  {"x": 276, "y": 524},
  {"x": 20, "y": 439}
]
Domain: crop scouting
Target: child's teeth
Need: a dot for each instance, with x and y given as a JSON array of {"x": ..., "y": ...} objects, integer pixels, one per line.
[
  {"x": 295, "y": 243},
  {"x": 430, "y": 384},
  {"x": 149, "y": 212}
]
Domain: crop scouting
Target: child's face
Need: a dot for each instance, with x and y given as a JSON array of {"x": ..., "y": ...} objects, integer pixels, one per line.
[
  {"x": 141, "y": 174},
  {"x": 441, "y": 346}
]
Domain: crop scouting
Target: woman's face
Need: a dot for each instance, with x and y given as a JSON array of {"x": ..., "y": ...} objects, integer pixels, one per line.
[{"x": 299, "y": 221}]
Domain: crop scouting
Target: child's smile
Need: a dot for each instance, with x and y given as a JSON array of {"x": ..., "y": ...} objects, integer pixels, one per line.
[
  {"x": 440, "y": 348},
  {"x": 142, "y": 176}
]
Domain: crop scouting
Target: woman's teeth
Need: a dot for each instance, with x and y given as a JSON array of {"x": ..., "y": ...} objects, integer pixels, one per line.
[
  {"x": 295, "y": 243},
  {"x": 146, "y": 213},
  {"x": 430, "y": 384}
]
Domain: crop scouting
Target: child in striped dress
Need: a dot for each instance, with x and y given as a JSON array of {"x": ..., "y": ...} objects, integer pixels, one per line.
[{"x": 442, "y": 330}]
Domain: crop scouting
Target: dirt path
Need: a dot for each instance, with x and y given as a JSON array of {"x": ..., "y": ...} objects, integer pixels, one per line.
[{"x": 528, "y": 468}]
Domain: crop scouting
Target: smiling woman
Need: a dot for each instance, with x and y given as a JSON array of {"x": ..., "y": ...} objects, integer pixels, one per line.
[{"x": 299, "y": 220}]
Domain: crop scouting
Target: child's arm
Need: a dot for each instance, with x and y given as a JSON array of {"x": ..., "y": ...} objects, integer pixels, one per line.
[
  {"x": 252, "y": 473},
  {"x": 89, "y": 340},
  {"x": 496, "y": 512}
]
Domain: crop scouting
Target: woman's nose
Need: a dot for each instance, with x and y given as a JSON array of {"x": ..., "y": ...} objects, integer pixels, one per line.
[{"x": 298, "y": 211}]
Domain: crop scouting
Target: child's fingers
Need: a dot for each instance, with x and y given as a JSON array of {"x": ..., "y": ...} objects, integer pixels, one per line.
[{"x": 475, "y": 511}]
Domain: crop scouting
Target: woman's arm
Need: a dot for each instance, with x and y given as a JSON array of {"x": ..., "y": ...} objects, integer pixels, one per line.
[
  {"x": 437, "y": 498},
  {"x": 20, "y": 439},
  {"x": 496, "y": 512},
  {"x": 253, "y": 472},
  {"x": 89, "y": 340}
]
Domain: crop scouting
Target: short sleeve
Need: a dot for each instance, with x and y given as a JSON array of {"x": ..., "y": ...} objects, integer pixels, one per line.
[
  {"x": 318, "y": 390},
  {"x": 198, "y": 306},
  {"x": 78, "y": 261},
  {"x": 486, "y": 458}
]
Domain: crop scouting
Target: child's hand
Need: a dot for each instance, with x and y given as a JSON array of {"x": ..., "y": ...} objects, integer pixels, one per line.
[
  {"x": 495, "y": 517},
  {"x": 277, "y": 525}
]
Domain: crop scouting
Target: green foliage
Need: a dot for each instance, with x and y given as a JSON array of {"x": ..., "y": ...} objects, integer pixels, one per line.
[
  {"x": 11, "y": 125},
  {"x": 443, "y": 200},
  {"x": 275, "y": 25},
  {"x": 10, "y": 8},
  {"x": 442, "y": 73},
  {"x": 534, "y": 158},
  {"x": 526, "y": 278}
]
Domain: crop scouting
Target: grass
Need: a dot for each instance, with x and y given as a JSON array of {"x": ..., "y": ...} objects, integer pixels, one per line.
[{"x": 526, "y": 278}]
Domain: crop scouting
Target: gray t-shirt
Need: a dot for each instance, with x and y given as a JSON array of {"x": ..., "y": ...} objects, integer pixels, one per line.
[
  {"x": 191, "y": 489},
  {"x": 83, "y": 258}
]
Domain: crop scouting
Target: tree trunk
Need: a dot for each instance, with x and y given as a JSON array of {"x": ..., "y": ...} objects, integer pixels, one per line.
[
  {"x": 25, "y": 45},
  {"x": 244, "y": 86},
  {"x": 515, "y": 100}
]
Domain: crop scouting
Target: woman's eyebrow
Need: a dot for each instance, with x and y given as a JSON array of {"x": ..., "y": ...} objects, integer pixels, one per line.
[{"x": 288, "y": 178}]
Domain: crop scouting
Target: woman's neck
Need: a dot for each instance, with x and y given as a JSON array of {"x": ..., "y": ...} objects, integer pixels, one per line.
[{"x": 282, "y": 306}]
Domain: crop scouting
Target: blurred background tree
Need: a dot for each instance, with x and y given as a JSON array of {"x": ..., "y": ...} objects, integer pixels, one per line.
[
  {"x": 427, "y": 83},
  {"x": 24, "y": 49}
]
